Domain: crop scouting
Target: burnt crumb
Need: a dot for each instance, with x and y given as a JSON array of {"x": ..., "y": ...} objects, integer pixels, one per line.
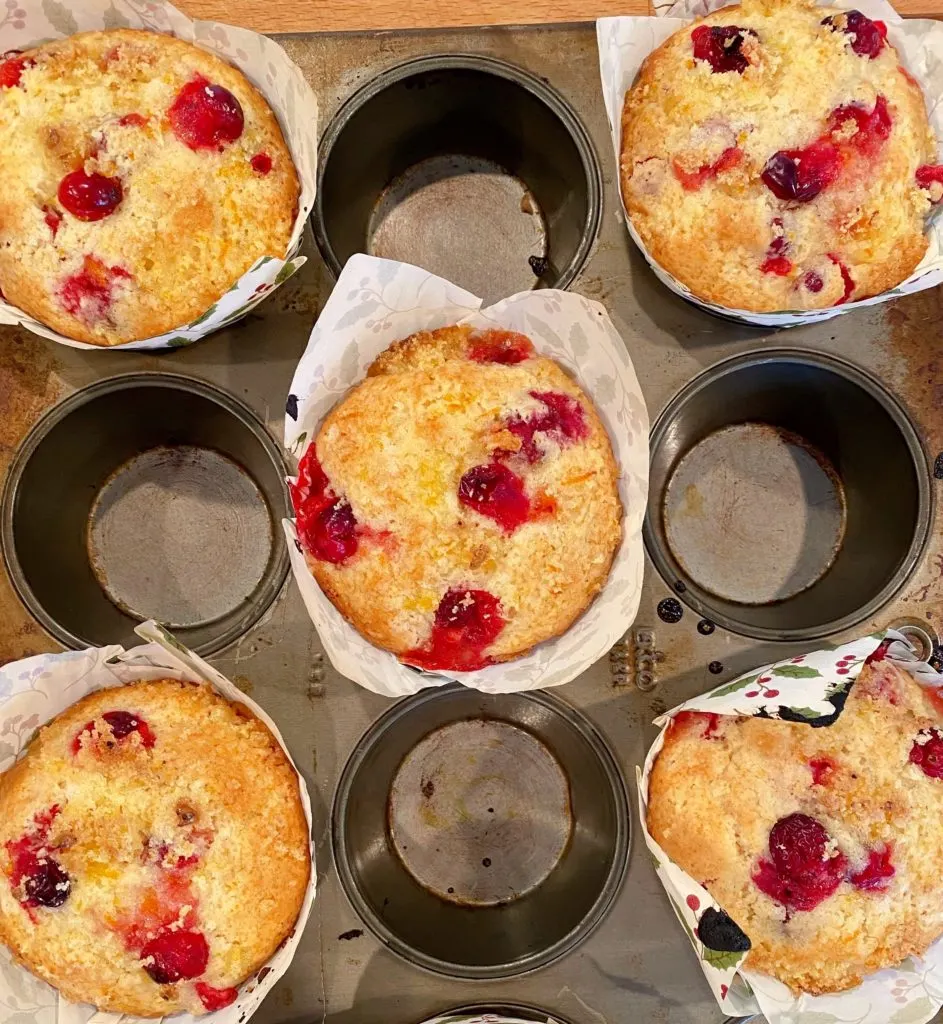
[
  {"x": 705, "y": 627},
  {"x": 670, "y": 610},
  {"x": 298, "y": 546},
  {"x": 938, "y": 467},
  {"x": 262, "y": 973},
  {"x": 539, "y": 264},
  {"x": 428, "y": 789},
  {"x": 291, "y": 406},
  {"x": 354, "y": 933},
  {"x": 486, "y": 862},
  {"x": 491, "y": 810},
  {"x": 450, "y": 889},
  {"x": 719, "y": 931},
  {"x": 715, "y": 667},
  {"x": 680, "y": 586},
  {"x": 185, "y": 814}
]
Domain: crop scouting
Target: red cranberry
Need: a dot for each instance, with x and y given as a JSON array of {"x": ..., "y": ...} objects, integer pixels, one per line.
[
  {"x": 777, "y": 262},
  {"x": 466, "y": 622},
  {"x": 507, "y": 347},
  {"x": 494, "y": 491},
  {"x": 53, "y": 219},
  {"x": 90, "y": 196},
  {"x": 87, "y": 294},
  {"x": 877, "y": 873},
  {"x": 822, "y": 769},
  {"x": 799, "y": 175},
  {"x": 868, "y": 36},
  {"x": 691, "y": 181},
  {"x": 215, "y": 998},
  {"x": 326, "y": 524},
  {"x": 261, "y": 163},
  {"x": 873, "y": 127},
  {"x": 813, "y": 281},
  {"x": 802, "y": 872},
  {"x": 175, "y": 956},
  {"x": 563, "y": 419},
  {"x": 722, "y": 47},
  {"x": 927, "y": 753},
  {"x": 45, "y": 883},
  {"x": 312, "y": 483},
  {"x": 930, "y": 177},
  {"x": 707, "y": 721},
  {"x": 334, "y": 535},
  {"x": 121, "y": 724},
  {"x": 205, "y": 116},
  {"x": 12, "y": 67},
  {"x": 48, "y": 885}
]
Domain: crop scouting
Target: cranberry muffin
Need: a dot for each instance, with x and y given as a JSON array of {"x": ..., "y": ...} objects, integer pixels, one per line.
[
  {"x": 460, "y": 505},
  {"x": 777, "y": 155},
  {"x": 153, "y": 850},
  {"x": 142, "y": 176},
  {"x": 822, "y": 844}
]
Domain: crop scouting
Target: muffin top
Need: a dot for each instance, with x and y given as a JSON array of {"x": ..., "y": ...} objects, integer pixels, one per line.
[
  {"x": 153, "y": 849},
  {"x": 824, "y": 845},
  {"x": 460, "y": 505},
  {"x": 142, "y": 176},
  {"x": 776, "y": 155}
]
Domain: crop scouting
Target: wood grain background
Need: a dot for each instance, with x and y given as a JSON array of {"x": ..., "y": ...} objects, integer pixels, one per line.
[{"x": 367, "y": 15}]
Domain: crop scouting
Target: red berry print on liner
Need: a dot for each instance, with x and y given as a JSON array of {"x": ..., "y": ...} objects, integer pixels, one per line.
[
  {"x": 206, "y": 116},
  {"x": 90, "y": 197},
  {"x": 691, "y": 181},
  {"x": 867, "y": 36},
  {"x": 121, "y": 725},
  {"x": 261, "y": 163},
  {"x": 694, "y": 903},
  {"x": 927, "y": 753},
  {"x": 877, "y": 873},
  {"x": 466, "y": 623},
  {"x": 215, "y": 998},
  {"x": 804, "y": 867},
  {"x": 722, "y": 47},
  {"x": 496, "y": 492},
  {"x": 175, "y": 956},
  {"x": 494, "y": 346}
]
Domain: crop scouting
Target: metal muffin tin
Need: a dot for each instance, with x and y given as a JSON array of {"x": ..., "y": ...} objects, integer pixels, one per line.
[{"x": 636, "y": 965}]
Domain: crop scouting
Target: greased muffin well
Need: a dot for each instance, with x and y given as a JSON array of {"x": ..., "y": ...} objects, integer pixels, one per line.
[
  {"x": 142, "y": 176},
  {"x": 776, "y": 155},
  {"x": 153, "y": 849},
  {"x": 823, "y": 844},
  {"x": 460, "y": 505}
]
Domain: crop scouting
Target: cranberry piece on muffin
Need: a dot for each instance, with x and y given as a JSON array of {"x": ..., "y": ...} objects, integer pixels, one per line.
[
  {"x": 90, "y": 197},
  {"x": 722, "y": 47},
  {"x": 494, "y": 346},
  {"x": 867, "y": 36},
  {"x": 466, "y": 623},
  {"x": 206, "y": 116},
  {"x": 804, "y": 867}
]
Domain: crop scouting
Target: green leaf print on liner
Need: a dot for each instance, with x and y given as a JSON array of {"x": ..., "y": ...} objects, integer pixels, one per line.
[
  {"x": 721, "y": 959},
  {"x": 915, "y": 1012},
  {"x": 810, "y": 713},
  {"x": 795, "y": 672},
  {"x": 60, "y": 17},
  {"x": 177, "y": 342},
  {"x": 739, "y": 684},
  {"x": 113, "y": 18},
  {"x": 202, "y": 319}
]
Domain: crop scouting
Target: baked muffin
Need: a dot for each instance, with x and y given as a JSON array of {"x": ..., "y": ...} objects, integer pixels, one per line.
[
  {"x": 153, "y": 850},
  {"x": 824, "y": 845},
  {"x": 460, "y": 505},
  {"x": 142, "y": 176},
  {"x": 777, "y": 156}
]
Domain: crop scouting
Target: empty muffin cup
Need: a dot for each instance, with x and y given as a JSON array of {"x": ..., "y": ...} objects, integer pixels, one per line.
[
  {"x": 466, "y": 166},
  {"x": 481, "y": 836},
  {"x": 789, "y": 495},
  {"x": 148, "y": 495}
]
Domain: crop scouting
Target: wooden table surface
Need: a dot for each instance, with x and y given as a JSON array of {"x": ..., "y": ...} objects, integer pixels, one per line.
[{"x": 366, "y": 15}]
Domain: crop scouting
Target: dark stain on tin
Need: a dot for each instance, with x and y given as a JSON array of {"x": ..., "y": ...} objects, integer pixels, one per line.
[
  {"x": 291, "y": 406},
  {"x": 354, "y": 933},
  {"x": 450, "y": 889},
  {"x": 486, "y": 862},
  {"x": 539, "y": 264},
  {"x": 670, "y": 610},
  {"x": 715, "y": 667},
  {"x": 680, "y": 586},
  {"x": 705, "y": 627},
  {"x": 428, "y": 789},
  {"x": 491, "y": 810},
  {"x": 938, "y": 467}
]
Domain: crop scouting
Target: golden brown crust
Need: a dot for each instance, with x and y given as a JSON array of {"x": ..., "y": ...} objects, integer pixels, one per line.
[
  {"x": 190, "y": 222},
  {"x": 714, "y": 799},
  {"x": 215, "y": 786},
  {"x": 397, "y": 447},
  {"x": 715, "y": 238}
]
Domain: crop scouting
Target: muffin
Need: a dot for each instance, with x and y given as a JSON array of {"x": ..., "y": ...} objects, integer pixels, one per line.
[
  {"x": 142, "y": 176},
  {"x": 460, "y": 505},
  {"x": 823, "y": 845},
  {"x": 776, "y": 155},
  {"x": 153, "y": 850}
]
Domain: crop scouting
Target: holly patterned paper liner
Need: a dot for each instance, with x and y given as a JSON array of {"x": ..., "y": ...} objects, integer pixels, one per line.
[
  {"x": 815, "y": 686},
  {"x": 27, "y": 23},
  {"x": 625, "y": 42},
  {"x": 33, "y": 692}
]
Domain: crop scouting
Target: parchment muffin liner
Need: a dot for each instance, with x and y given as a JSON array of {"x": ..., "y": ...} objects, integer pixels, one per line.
[
  {"x": 33, "y": 692},
  {"x": 625, "y": 42},
  {"x": 377, "y": 302},
  {"x": 802, "y": 688},
  {"x": 27, "y": 23}
]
